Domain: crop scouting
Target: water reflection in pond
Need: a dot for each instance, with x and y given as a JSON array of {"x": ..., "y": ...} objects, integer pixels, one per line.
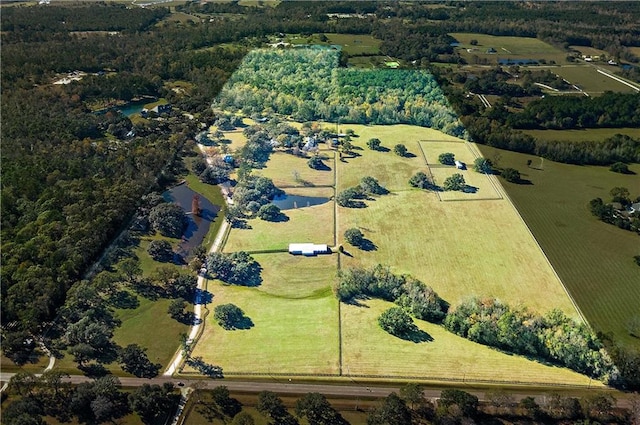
[
  {"x": 197, "y": 226},
  {"x": 288, "y": 202}
]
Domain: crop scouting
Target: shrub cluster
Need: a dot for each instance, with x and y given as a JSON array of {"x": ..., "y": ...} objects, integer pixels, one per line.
[
  {"x": 554, "y": 337},
  {"x": 238, "y": 268},
  {"x": 378, "y": 282}
]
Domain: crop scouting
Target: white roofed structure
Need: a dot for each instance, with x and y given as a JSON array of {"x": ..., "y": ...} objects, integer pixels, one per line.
[{"x": 308, "y": 249}]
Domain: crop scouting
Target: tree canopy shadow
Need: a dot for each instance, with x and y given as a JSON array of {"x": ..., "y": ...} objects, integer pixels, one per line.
[
  {"x": 409, "y": 155},
  {"x": 469, "y": 189},
  {"x": 382, "y": 149},
  {"x": 322, "y": 167},
  {"x": 202, "y": 296},
  {"x": 124, "y": 300},
  {"x": 367, "y": 245},
  {"x": 416, "y": 335},
  {"x": 244, "y": 323}
]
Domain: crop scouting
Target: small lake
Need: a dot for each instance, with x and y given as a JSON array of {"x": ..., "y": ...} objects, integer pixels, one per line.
[
  {"x": 289, "y": 202},
  {"x": 132, "y": 107},
  {"x": 197, "y": 226}
]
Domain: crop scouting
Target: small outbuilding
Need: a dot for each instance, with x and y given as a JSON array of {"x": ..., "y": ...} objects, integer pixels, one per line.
[
  {"x": 308, "y": 249},
  {"x": 460, "y": 165}
]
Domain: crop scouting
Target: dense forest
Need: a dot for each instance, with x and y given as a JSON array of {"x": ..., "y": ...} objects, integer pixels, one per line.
[{"x": 307, "y": 85}]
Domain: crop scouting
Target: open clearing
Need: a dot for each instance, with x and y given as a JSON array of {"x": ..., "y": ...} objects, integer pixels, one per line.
[
  {"x": 353, "y": 44},
  {"x": 507, "y": 48},
  {"x": 295, "y": 316},
  {"x": 461, "y": 249},
  {"x": 583, "y": 135},
  {"x": 590, "y": 80},
  {"x": 308, "y": 224},
  {"x": 368, "y": 350},
  {"x": 289, "y": 170},
  {"x": 593, "y": 259}
]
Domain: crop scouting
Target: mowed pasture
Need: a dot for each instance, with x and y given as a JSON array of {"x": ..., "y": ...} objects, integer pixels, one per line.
[
  {"x": 507, "y": 47},
  {"x": 295, "y": 318},
  {"x": 356, "y": 44},
  {"x": 582, "y": 135},
  {"x": 462, "y": 249},
  {"x": 593, "y": 259},
  {"x": 590, "y": 80},
  {"x": 391, "y": 170},
  {"x": 369, "y": 350},
  {"x": 481, "y": 186},
  {"x": 305, "y": 224},
  {"x": 288, "y": 170}
]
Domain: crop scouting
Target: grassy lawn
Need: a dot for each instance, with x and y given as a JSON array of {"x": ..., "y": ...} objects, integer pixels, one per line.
[
  {"x": 593, "y": 259},
  {"x": 309, "y": 224},
  {"x": 238, "y": 140},
  {"x": 583, "y": 135},
  {"x": 461, "y": 249},
  {"x": 508, "y": 47},
  {"x": 590, "y": 80},
  {"x": 282, "y": 167},
  {"x": 353, "y": 44},
  {"x": 369, "y": 350},
  {"x": 295, "y": 317},
  {"x": 482, "y": 187},
  {"x": 138, "y": 328},
  {"x": 391, "y": 170}
]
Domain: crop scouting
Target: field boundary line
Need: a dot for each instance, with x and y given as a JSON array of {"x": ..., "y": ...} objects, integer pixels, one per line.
[
  {"x": 555, "y": 273},
  {"x": 424, "y": 156},
  {"x": 465, "y": 380}
]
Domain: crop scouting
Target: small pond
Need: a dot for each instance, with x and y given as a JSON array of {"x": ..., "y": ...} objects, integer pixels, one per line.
[
  {"x": 132, "y": 107},
  {"x": 197, "y": 226},
  {"x": 288, "y": 202}
]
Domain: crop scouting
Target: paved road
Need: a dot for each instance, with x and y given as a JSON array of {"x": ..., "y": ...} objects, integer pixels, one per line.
[{"x": 351, "y": 390}]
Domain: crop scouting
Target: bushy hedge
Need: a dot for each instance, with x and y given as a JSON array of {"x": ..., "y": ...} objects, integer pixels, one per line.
[
  {"x": 379, "y": 282},
  {"x": 554, "y": 337}
]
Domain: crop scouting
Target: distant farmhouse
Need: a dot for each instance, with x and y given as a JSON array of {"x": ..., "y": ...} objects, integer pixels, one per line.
[{"x": 308, "y": 249}]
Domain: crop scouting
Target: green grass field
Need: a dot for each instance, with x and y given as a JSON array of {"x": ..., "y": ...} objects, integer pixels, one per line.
[
  {"x": 295, "y": 315},
  {"x": 355, "y": 44},
  {"x": 289, "y": 170},
  {"x": 392, "y": 171},
  {"x": 461, "y": 249},
  {"x": 308, "y": 224},
  {"x": 583, "y": 135},
  {"x": 590, "y": 80},
  {"x": 508, "y": 48},
  {"x": 593, "y": 259},
  {"x": 445, "y": 356}
]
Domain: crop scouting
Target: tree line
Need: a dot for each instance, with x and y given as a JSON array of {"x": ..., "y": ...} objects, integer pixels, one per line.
[{"x": 553, "y": 337}]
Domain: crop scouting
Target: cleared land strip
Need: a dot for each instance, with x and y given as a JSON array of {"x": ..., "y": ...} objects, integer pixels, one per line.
[{"x": 620, "y": 80}]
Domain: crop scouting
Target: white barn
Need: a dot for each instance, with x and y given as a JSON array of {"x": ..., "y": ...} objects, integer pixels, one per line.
[{"x": 308, "y": 249}]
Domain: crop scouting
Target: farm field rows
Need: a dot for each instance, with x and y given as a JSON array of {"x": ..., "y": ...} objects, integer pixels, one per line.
[
  {"x": 583, "y": 135},
  {"x": 593, "y": 259},
  {"x": 461, "y": 249},
  {"x": 590, "y": 80},
  {"x": 507, "y": 48}
]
